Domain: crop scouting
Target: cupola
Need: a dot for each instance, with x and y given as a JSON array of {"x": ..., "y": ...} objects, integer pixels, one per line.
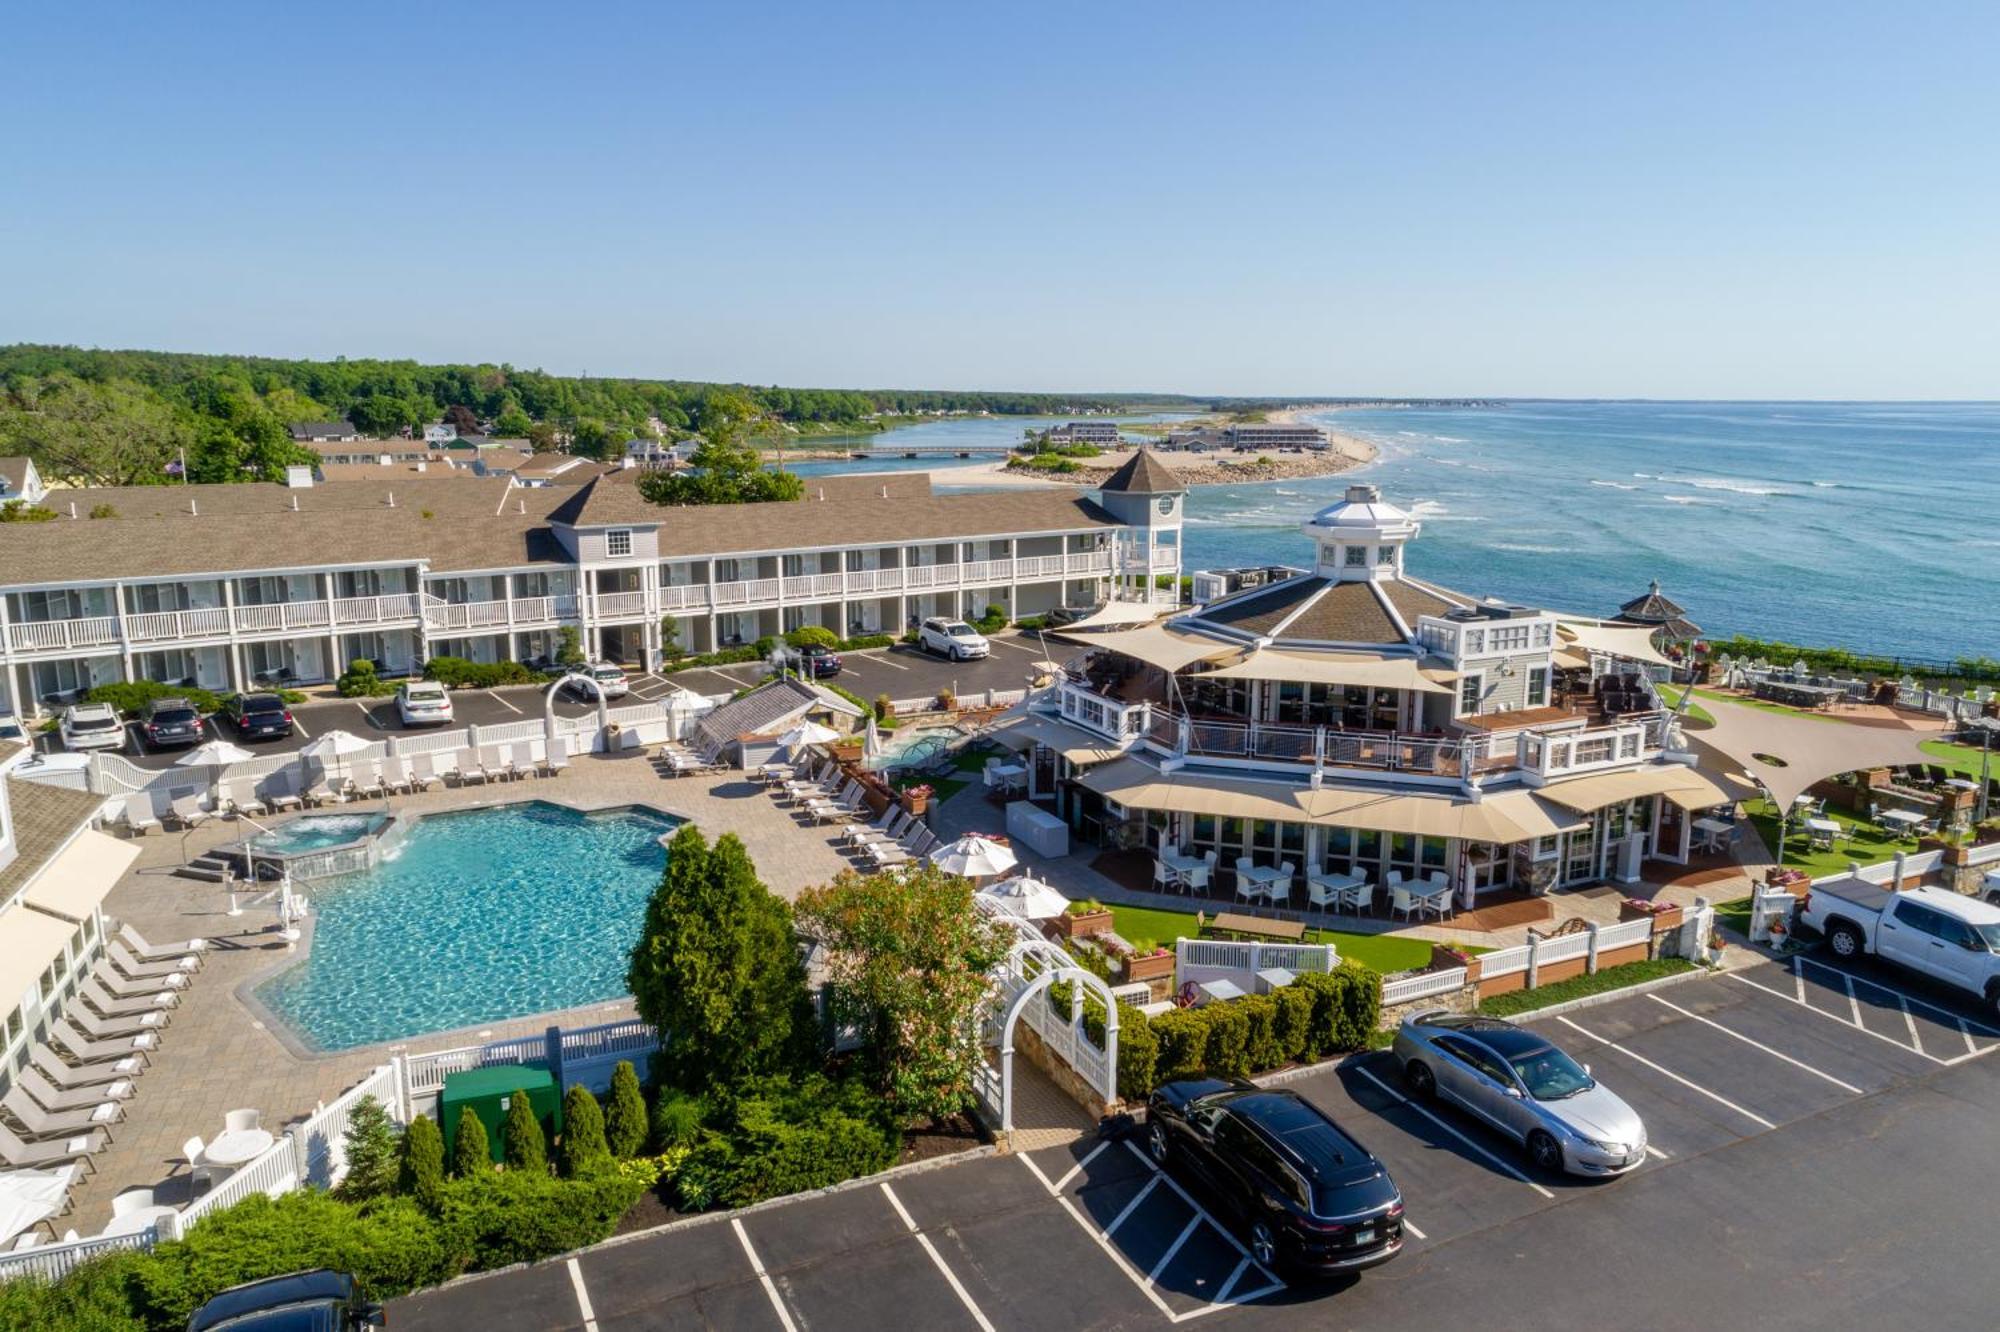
[{"x": 1361, "y": 537}]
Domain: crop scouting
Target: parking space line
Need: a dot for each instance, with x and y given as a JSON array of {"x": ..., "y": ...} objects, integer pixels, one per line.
[
  {"x": 1830, "y": 1017},
  {"x": 1017, "y": 646},
  {"x": 1853, "y": 1003},
  {"x": 1651, "y": 1150},
  {"x": 1103, "y": 1242},
  {"x": 1759, "y": 1045},
  {"x": 1925, "y": 1004},
  {"x": 1721, "y": 1100},
  {"x": 1971, "y": 1047},
  {"x": 1077, "y": 1169},
  {"x": 501, "y": 699},
  {"x": 1194, "y": 1224},
  {"x": 885, "y": 660},
  {"x": 1411, "y": 1227},
  {"x": 300, "y": 727},
  {"x": 1132, "y": 1206},
  {"x": 1188, "y": 1198},
  {"x": 1425, "y": 1111},
  {"x": 770, "y": 1286},
  {"x": 1222, "y": 1296},
  {"x": 582, "y": 1297},
  {"x": 937, "y": 1260},
  {"x": 1910, "y": 1023}
]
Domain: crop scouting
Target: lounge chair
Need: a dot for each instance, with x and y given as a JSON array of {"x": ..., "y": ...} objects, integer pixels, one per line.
[
  {"x": 123, "y": 1024},
  {"x": 83, "y": 1050},
  {"x": 484, "y": 763},
  {"x": 22, "y": 1155},
  {"x": 118, "y": 987},
  {"x": 318, "y": 790},
  {"x": 136, "y": 944},
  {"x": 888, "y": 828},
  {"x": 56, "y": 1099},
  {"x": 521, "y": 759},
  {"x": 423, "y": 772},
  {"x": 38, "y": 1125},
  {"x": 366, "y": 780},
  {"x": 281, "y": 796},
  {"x": 109, "y": 1005},
  {"x": 142, "y": 813},
  {"x": 133, "y": 969},
  {"x": 64, "y": 1075},
  {"x": 557, "y": 761},
  {"x": 187, "y": 810},
  {"x": 239, "y": 796}
]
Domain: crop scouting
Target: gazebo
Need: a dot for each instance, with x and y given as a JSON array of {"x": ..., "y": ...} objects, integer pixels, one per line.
[{"x": 1658, "y": 612}]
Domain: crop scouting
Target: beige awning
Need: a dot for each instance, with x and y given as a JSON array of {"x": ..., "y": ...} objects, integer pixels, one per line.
[
  {"x": 78, "y": 879},
  {"x": 1139, "y": 785},
  {"x": 1733, "y": 789},
  {"x": 1080, "y": 747},
  {"x": 1119, "y": 614},
  {"x": 1342, "y": 668},
  {"x": 1156, "y": 645},
  {"x": 1635, "y": 643},
  {"x": 29, "y": 941},
  {"x": 1683, "y": 785}
]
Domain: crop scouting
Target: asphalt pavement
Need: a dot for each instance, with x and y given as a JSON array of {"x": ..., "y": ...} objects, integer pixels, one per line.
[{"x": 1822, "y": 1158}]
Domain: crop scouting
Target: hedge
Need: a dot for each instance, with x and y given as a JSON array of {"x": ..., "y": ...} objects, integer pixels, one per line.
[
  {"x": 130, "y": 697},
  {"x": 735, "y": 656},
  {"x": 458, "y": 673},
  {"x": 782, "y": 1135}
]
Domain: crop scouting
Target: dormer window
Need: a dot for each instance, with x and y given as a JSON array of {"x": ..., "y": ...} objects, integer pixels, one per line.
[
  {"x": 1355, "y": 557},
  {"x": 618, "y": 542},
  {"x": 1385, "y": 555}
]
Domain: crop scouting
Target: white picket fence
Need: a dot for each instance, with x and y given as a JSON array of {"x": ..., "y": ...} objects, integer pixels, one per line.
[
  {"x": 1199, "y": 960},
  {"x": 1422, "y": 985}
]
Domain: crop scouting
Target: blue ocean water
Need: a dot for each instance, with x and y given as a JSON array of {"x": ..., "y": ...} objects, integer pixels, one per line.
[{"x": 484, "y": 915}]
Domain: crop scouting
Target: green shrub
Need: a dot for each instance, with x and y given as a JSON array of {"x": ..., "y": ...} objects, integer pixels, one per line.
[
  {"x": 1260, "y": 1044},
  {"x": 360, "y": 681},
  {"x": 735, "y": 656},
  {"x": 1182, "y": 1037},
  {"x": 458, "y": 673},
  {"x": 1347, "y": 1004},
  {"x": 130, "y": 697},
  {"x": 864, "y": 642},
  {"x": 373, "y": 1152},
  {"x": 764, "y": 646},
  {"x": 781, "y": 1136},
  {"x": 1291, "y": 1027},
  {"x": 1138, "y": 1051},
  {"x": 1031, "y": 622},
  {"x": 812, "y": 635},
  {"x": 422, "y": 1168},
  {"x": 100, "y": 1296},
  {"x": 994, "y": 620},
  {"x": 471, "y": 1150},
  {"x": 677, "y": 1119},
  {"x": 523, "y": 1145},
  {"x": 625, "y": 1115},
  {"x": 1228, "y": 1038},
  {"x": 522, "y": 1216},
  {"x": 569, "y": 646},
  {"x": 583, "y": 1148}
]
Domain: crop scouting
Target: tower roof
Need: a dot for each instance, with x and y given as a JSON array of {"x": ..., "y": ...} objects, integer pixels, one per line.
[
  {"x": 1144, "y": 474},
  {"x": 1661, "y": 611}
]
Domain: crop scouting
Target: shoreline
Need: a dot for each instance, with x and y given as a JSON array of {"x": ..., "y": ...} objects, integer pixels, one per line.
[{"x": 1345, "y": 454}]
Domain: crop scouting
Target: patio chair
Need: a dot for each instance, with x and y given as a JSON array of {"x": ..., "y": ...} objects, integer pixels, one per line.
[
  {"x": 119, "y": 987},
  {"x": 130, "y": 1201},
  {"x": 123, "y": 1024},
  {"x": 423, "y": 772},
  {"x": 319, "y": 789},
  {"x": 1165, "y": 877},
  {"x": 280, "y": 794},
  {"x": 83, "y": 1050},
  {"x": 484, "y": 760},
  {"x": 1203, "y": 875},
  {"x": 35, "y": 1124},
  {"x": 1362, "y": 898},
  {"x": 23, "y": 1155},
  {"x": 133, "y": 969},
  {"x": 136, "y": 944},
  {"x": 187, "y": 810},
  {"x": 888, "y": 828},
  {"x": 142, "y": 813},
  {"x": 557, "y": 761},
  {"x": 1401, "y": 899},
  {"x": 242, "y": 1121},
  {"x": 44, "y": 1061},
  {"x": 239, "y": 796},
  {"x": 1322, "y": 895},
  {"x": 364, "y": 780},
  {"x": 1247, "y": 888},
  {"x": 57, "y": 1099},
  {"x": 1279, "y": 890},
  {"x": 93, "y": 993},
  {"x": 194, "y": 1155}
]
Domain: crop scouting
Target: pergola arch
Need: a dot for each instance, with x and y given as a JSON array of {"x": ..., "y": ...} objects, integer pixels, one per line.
[
  {"x": 1031, "y": 966},
  {"x": 549, "y": 706}
]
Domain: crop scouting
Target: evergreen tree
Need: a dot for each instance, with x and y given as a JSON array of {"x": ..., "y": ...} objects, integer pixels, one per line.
[
  {"x": 583, "y": 1146},
  {"x": 522, "y": 1143},
  {"x": 625, "y": 1116},
  {"x": 422, "y": 1174},
  {"x": 372, "y": 1154},
  {"x": 471, "y": 1152}
]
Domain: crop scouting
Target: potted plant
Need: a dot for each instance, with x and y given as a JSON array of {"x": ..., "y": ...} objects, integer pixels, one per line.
[
  {"x": 1149, "y": 961},
  {"x": 1083, "y": 919},
  {"x": 917, "y": 799},
  {"x": 1664, "y": 915}
]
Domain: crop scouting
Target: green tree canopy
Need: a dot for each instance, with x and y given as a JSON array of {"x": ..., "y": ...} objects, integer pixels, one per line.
[
  {"x": 100, "y": 434},
  {"x": 727, "y": 469}
]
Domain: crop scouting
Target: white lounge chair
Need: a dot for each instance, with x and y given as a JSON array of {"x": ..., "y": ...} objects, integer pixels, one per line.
[
  {"x": 111, "y": 1073},
  {"x": 119, "y": 987},
  {"x": 280, "y": 795},
  {"x": 39, "y": 1125},
  {"x": 142, "y": 814},
  {"x": 123, "y": 1024},
  {"x": 423, "y": 772},
  {"x": 92, "y": 992},
  {"x": 22, "y": 1154},
  {"x": 239, "y": 796},
  {"x": 136, "y": 944},
  {"x": 51, "y": 1097},
  {"x": 187, "y": 810},
  {"x": 557, "y": 762},
  {"x": 521, "y": 759},
  {"x": 133, "y": 969},
  {"x": 83, "y": 1050},
  {"x": 366, "y": 781}
]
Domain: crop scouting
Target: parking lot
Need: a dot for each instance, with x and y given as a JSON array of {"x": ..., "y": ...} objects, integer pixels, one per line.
[
  {"x": 1822, "y": 1154},
  {"x": 899, "y": 671}
]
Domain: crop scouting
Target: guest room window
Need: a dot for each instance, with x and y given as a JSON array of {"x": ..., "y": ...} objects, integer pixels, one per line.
[{"x": 618, "y": 543}]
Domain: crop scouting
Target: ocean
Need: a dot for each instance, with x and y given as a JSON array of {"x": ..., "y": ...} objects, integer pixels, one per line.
[{"x": 1866, "y": 525}]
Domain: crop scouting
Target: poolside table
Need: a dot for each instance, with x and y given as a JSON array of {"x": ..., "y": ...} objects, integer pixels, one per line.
[
  {"x": 237, "y": 1147},
  {"x": 145, "y": 1218}
]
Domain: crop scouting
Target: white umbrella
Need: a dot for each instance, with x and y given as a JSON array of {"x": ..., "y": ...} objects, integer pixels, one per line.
[
  {"x": 804, "y": 734},
  {"x": 871, "y": 743},
  {"x": 215, "y": 756},
  {"x": 28, "y": 1196},
  {"x": 1026, "y": 897},
  {"x": 975, "y": 855},
  {"x": 336, "y": 745}
]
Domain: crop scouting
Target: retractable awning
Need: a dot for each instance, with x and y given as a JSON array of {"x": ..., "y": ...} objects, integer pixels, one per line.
[
  {"x": 29, "y": 941},
  {"x": 1686, "y": 787},
  {"x": 1343, "y": 668},
  {"x": 82, "y": 874}
]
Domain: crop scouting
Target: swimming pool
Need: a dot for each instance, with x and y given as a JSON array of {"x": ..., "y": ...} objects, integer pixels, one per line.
[
  {"x": 316, "y": 832},
  {"x": 482, "y": 915},
  {"x": 914, "y": 748}
]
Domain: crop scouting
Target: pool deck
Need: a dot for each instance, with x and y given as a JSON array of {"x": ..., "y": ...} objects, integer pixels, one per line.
[{"x": 219, "y": 1054}]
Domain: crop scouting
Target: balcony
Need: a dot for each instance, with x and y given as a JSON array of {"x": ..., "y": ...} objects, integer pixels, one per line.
[
  {"x": 1109, "y": 717},
  {"x": 473, "y": 615},
  {"x": 63, "y": 635},
  {"x": 396, "y": 606},
  {"x": 178, "y": 626},
  {"x": 1547, "y": 757},
  {"x": 613, "y": 604}
]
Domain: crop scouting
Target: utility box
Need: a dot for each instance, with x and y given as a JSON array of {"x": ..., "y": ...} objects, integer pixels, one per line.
[{"x": 489, "y": 1091}]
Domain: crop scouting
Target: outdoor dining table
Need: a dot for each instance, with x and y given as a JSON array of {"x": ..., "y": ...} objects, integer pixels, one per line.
[
  {"x": 1010, "y": 775},
  {"x": 133, "y": 1222},
  {"x": 1179, "y": 864},
  {"x": 1229, "y": 922},
  {"x": 1344, "y": 887},
  {"x": 1904, "y": 820},
  {"x": 1714, "y": 832},
  {"x": 1263, "y": 880},
  {"x": 236, "y": 1147},
  {"x": 1823, "y": 830}
]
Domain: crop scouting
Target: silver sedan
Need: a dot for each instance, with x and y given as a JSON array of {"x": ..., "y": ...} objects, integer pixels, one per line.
[{"x": 1516, "y": 1081}]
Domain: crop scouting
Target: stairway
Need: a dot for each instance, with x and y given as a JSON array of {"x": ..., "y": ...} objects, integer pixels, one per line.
[{"x": 209, "y": 867}]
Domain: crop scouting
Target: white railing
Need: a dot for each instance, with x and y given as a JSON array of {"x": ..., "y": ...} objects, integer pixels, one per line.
[
  {"x": 1038, "y": 566},
  {"x": 1107, "y": 717},
  {"x": 275, "y": 1173},
  {"x": 322, "y": 1138},
  {"x": 1090, "y": 561},
  {"x": 1404, "y": 989},
  {"x": 1198, "y": 960},
  {"x": 377, "y": 610},
  {"x": 465, "y": 614},
  {"x": 621, "y": 603},
  {"x": 1623, "y": 934},
  {"x": 684, "y": 596},
  {"x": 1503, "y": 961},
  {"x": 63, "y": 635},
  {"x": 173, "y": 626},
  {"x": 283, "y": 616},
  {"x": 54, "y": 1261},
  {"x": 1561, "y": 948},
  {"x": 986, "y": 571},
  {"x": 1566, "y": 753}
]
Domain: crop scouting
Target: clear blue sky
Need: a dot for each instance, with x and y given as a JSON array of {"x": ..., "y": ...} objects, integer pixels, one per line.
[{"x": 1566, "y": 200}]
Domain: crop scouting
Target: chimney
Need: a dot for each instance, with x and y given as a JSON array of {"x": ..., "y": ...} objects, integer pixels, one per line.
[
  {"x": 295, "y": 504},
  {"x": 392, "y": 499},
  {"x": 520, "y": 506},
  {"x": 885, "y": 492},
  {"x": 822, "y": 494},
  {"x": 194, "y": 509},
  {"x": 299, "y": 478}
]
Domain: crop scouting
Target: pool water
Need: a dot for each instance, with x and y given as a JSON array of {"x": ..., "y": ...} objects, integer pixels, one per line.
[
  {"x": 482, "y": 915},
  {"x": 317, "y": 832},
  {"x": 915, "y": 748}
]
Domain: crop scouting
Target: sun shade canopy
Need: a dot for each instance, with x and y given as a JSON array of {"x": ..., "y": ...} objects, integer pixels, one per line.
[
  {"x": 1634, "y": 643},
  {"x": 1342, "y": 668},
  {"x": 1157, "y": 645}
]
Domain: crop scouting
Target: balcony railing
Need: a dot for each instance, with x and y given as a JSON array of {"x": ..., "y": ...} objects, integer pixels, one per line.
[
  {"x": 1106, "y": 716},
  {"x": 376, "y": 610},
  {"x": 496, "y": 614},
  {"x": 63, "y": 635},
  {"x": 177, "y": 626},
  {"x": 283, "y": 616},
  {"x": 1568, "y": 753},
  {"x": 621, "y": 603}
]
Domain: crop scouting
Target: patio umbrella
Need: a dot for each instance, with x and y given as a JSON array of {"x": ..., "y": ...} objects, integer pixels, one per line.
[
  {"x": 804, "y": 734},
  {"x": 215, "y": 756},
  {"x": 334, "y": 745},
  {"x": 1026, "y": 897},
  {"x": 871, "y": 743},
  {"x": 28, "y": 1196},
  {"x": 975, "y": 855}
]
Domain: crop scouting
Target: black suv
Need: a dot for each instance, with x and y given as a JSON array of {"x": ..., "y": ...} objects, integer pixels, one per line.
[
  {"x": 321, "y": 1300},
  {"x": 259, "y": 716},
  {"x": 817, "y": 661},
  {"x": 171, "y": 721},
  {"x": 1309, "y": 1198}
]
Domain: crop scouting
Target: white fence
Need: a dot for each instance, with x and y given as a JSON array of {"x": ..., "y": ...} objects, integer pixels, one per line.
[
  {"x": 584, "y": 1055},
  {"x": 1199, "y": 960},
  {"x": 1423, "y": 985},
  {"x": 56, "y": 1260}
]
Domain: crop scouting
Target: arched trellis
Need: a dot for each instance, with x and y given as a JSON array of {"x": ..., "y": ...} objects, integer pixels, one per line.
[
  {"x": 549, "y": 706},
  {"x": 1032, "y": 965}
]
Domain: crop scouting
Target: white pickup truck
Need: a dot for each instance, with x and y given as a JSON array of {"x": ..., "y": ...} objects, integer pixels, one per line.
[{"x": 1944, "y": 935}]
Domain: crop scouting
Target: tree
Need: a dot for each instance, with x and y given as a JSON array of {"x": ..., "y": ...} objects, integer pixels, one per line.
[
  {"x": 595, "y": 439},
  {"x": 523, "y": 1145},
  {"x": 670, "y": 638},
  {"x": 513, "y": 423},
  {"x": 569, "y": 646},
  {"x": 471, "y": 1151},
  {"x": 381, "y": 415},
  {"x": 372, "y": 1152},
  {"x": 462, "y": 418},
  {"x": 625, "y": 1116},
  {"x": 114, "y": 433},
  {"x": 727, "y": 469},
  {"x": 542, "y": 437},
  {"x": 422, "y": 1173},
  {"x": 907, "y": 959},
  {"x": 716, "y": 970},
  {"x": 583, "y": 1147}
]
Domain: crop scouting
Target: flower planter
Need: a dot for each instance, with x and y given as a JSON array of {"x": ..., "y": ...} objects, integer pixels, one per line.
[
  {"x": 1154, "y": 966},
  {"x": 916, "y": 800},
  {"x": 1083, "y": 926},
  {"x": 1664, "y": 918}
]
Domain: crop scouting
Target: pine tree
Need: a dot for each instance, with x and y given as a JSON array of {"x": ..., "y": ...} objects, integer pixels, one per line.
[
  {"x": 471, "y": 1152},
  {"x": 522, "y": 1144},
  {"x": 582, "y": 1147},
  {"x": 423, "y": 1161},
  {"x": 625, "y": 1116},
  {"x": 371, "y": 1152}
]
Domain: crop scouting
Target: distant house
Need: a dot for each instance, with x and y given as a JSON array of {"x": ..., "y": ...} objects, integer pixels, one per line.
[
  {"x": 381, "y": 452},
  {"x": 1274, "y": 437},
  {"x": 20, "y": 483},
  {"x": 1102, "y": 433},
  {"x": 1200, "y": 439},
  {"x": 440, "y": 433},
  {"x": 324, "y": 432},
  {"x": 553, "y": 469},
  {"x": 657, "y": 452}
]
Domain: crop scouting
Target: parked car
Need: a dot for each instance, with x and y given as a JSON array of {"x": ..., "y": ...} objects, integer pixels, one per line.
[
  {"x": 1307, "y": 1196},
  {"x": 92, "y": 726},
  {"x": 610, "y": 678},
  {"x": 321, "y": 1300},
  {"x": 1934, "y": 932},
  {"x": 817, "y": 661},
  {"x": 1515, "y": 1080},
  {"x": 423, "y": 703},
  {"x": 952, "y": 638},
  {"x": 258, "y": 716},
  {"x": 171, "y": 722}
]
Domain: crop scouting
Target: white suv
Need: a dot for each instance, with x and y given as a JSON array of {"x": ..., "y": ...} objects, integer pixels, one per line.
[
  {"x": 952, "y": 638},
  {"x": 92, "y": 726},
  {"x": 609, "y": 678}
]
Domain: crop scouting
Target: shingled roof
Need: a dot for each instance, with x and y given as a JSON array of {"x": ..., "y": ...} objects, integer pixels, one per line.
[
  {"x": 1144, "y": 474},
  {"x": 45, "y": 818},
  {"x": 1661, "y": 612}
]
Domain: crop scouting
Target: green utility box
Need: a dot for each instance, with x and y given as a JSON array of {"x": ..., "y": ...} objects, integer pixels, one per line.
[{"x": 488, "y": 1091}]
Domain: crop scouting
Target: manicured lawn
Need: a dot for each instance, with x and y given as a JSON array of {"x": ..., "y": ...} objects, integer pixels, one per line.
[
  {"x": 1582, "y": 987},
  {"x": 1385, "y": 952},
  {"x": 1734, "y": 914},
  {"x": 1961, "y": 759},
  {"x": 1671, "y": 696},
  {"x": 1858, "y": 841}
]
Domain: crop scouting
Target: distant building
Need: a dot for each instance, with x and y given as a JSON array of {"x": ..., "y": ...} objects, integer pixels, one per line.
[
  {"x": 1200, "y": 439},
  {"x": 658, "y": 452},
  {"x": 1103, "y": 433},
  {"x": 1663, "y": 616},
  {"x": 381, "y": 452},
  {"x": 20, "y": 483},
  {"x": 318, "y": 432},
  {"x": 1274, "y": 437},
  {"x": 440, "y": 433}
]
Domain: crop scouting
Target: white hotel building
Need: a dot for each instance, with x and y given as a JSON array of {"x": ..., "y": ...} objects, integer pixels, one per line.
[{"x": 229, "y": 587}]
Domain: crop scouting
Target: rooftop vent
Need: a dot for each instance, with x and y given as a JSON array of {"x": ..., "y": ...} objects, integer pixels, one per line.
[
  {"x": 299, "y": 478},
  {"x": 1362, "y": 493}
]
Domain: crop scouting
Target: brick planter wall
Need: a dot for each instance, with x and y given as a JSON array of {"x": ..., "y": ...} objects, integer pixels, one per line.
[
  {"x": 1082, "y": 927},
  {"x": 1156, "y": 967}
]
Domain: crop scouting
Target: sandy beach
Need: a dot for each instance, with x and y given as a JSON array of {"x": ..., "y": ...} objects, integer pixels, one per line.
[{"x": 1346, "y": 453}]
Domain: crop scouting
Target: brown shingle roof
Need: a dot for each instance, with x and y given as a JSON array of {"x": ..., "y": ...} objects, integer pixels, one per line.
[
  {"x": 1262, "y": 611},
  {"x": 14, "y": 472},
  {"x": 394, "y": 448},
  {"x": 1144, "y": 474},
  {"x": 1345, "y": 613},
  {"x": 45, "y": 818},
  {"x": 1412, "y": 601}
]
